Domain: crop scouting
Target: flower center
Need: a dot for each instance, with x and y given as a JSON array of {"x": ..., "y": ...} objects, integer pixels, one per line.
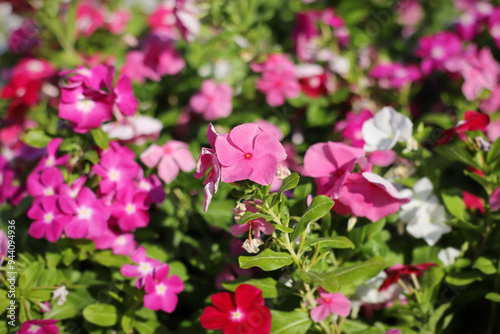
[
  {"x": 85, "y": 105},
  {"x": 145, "y": 268},
  {"x": 50, "y": 162},
  {"x": 161, "y": 289},
  {"x": 35, "y": 66},
  {"x": 84, "y": 213},
  {"x": 48, "y": 217},
  {"x": 130, "y": 208},
  {"x": 167, "y": 150},
  {"x": 236, "y": 315},
  {"x": 121, "y": 240},
  {"x": 145, "y": 185},
  {"x": 48, "y": 191},
  {"x": 34, "y": 328},
  {"x": 437, "y": 52},
  {"x": 114, "y": 175},
  {"x": 20, "y": 91},
  {"x": 248, "y": 156}
]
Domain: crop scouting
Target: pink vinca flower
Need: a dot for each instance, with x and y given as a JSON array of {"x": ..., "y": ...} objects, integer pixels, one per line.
[
  {"x": 395, "y": 75},
  {"x": 45, "y": 183},
  {"x": 119, "y": 243},
  {"x": 213, "y": 100},
  {"x": 153, "y": 187},
  {"x": 330, "y": 163},
  {"x": 49, "y": 220},
  {"x": 136, "y": 130},
  {"x": 350, "y": 128},
  {"x": 208, "y": 162},
  {"x": 89, "y": 18},
  {"x": 89, "y": 215},
  {"x": 145, "y": 267},
  {"x": 494, "y": 26},
  {"x": 46, "y": 326},
  {"x": 161, "y": 290},
  {"x": 7, "y": 189},
  {"x": 51, "y": 159},
  {"x": 330, "y": 303},
  {"x": 247, "y": 152},
  {"x": 480, "y": 72},
  {"x": 73, "y": 190},
  {"x": 130, "y": 209},
  {"x": 170, "y": 159},
  {"x": 118, "y": 20},
  {"x": 368, "y": 195},
  {"x": 124, "y": 96},
  {"x": 4, "y": 244},
  {"x": 436, "y": 49}
]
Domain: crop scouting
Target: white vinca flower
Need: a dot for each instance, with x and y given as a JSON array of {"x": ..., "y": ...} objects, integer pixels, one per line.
[
  {"x": 385, "y": 129},
  {"x": 424, "y": 215},
  {"x": 448, "y": 255},
  {"x": 60, "y": 294}
]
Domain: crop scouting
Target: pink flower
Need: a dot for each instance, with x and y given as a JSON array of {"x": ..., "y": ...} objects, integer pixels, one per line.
[
  {"x": 329, "y": 303},
  {"x": 368, "y": 195},
  {"x": 173, "y": 18},
  {"x": 170, "y": 158},
  {"x": 208, "y": 161},
  {"x": 494, "y": 26},
  {"x": 382, "y": 158},
  {"x": 249, "y": 153},
  {"x": 330, "y": 163},
  {"x": 117, "y": 21},
  {"x": 468, "y": 26},
  {"x": 473, "y": 202},
  {"x": 51, "y": 159},
  {"x": 120, "y": 243},
  {"x": 7, "y": 188},
  {"x": 73, "y": 190},
  {"x": 145, "y": 267},
  {"x": 395, "y": 75},
  {"x": 124, "y": 96},
  {"x": 130, "y": 209},
  {"x": 495, "y": 200},
  {"x": 34, "y": 69},
  {"x": 350, "y": 128},
  {"x": 49, "y": 220},
  {"x": 480, "y": 72},
  {"x": 4, "y": 244},
  {"x": 153, "y": 187},
  {"x": 213, "y": 100},
  {"x": 89, "y": 215},
  {"x": 161, "y": 290},
  {"x": 46, "y": 326},
  {"x": 89, "y": 18},
  {"x": 136, "y": 130},
  {"x": 436, "y": 49},
  {"x": 45, "y": 182}
]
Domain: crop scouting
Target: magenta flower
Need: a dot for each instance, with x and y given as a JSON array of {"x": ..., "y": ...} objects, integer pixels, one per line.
[
  {"x": 368, "y": 195},
  {"x": 161, "y": 290},
  {"x": 117, "y": 21},
  {"x": 249, "y": 153},
  {"x": 208, "y": 162},
  {"x": 213, "y": 100},
  {"x": 480, "y": 72},
  {"x": 395, "y": 75},
  {"x": 329, "y": 303},
  {"x": 145, "y": 267},
  {"x": 45, "y": 182},
  {"x": 468, "y": 26},
  {"x": 89, "y": 18},
  {"x": 51, "y": 159},
  {"x": 136, "y": 130},
  {"x": 73, "y": 190},
  {"x": 494, "y": 26},
  {"x": 4, "y": 244},
  {"x": 130, "y": 209},
  {"x": 350, "y": 128},
  {"x": 170, "y": 158},
  {"x": 89, "y": 215},
  {"x": 124, "y": 96},
  {"x": 45, "y": 326},
  {"x": 7, "y": 188},
  {"x": 153, "y": 187},
  {"x": 331, "y": 163},
  {"x": 49, "y": 220},
  {"x": 119, "y": 243},
  {"x": 436, "y": 49}
]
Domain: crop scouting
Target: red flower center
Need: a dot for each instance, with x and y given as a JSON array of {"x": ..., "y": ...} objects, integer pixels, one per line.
[
  {"x": 167, "y": 150},
  {"x": 248, "y": 156}
]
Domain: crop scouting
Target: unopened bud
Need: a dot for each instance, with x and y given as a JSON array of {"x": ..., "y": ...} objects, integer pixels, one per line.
[
  {"x": 252, "y": 246},
  {"x": 282, "y": 172},
  {"x": 239, "y": 211}
]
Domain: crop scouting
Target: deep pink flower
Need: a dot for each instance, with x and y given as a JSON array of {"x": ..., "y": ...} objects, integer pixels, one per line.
[
  {"x": 330, "y": 163},
  {"x": 51, "y": 159},
  {"x": 24, "y": 39},
  {"x": 473, "y": 121},
  {"x": 473, "y": 202},
  {"x": 395, "y": 75},
  {"x": 368, "y": 195},
  {"x": 89, "y": 215},
  {"x": 124, "y": 96},
  {"x": 49, "y": 219},
  {"x": 4, "y": 244},
  {"x": 494, "y": 26},
  {"x": 130, "y": 209},
  {"x": 249, "y": 153},
  {"x": 161, "y": 290},
  {"x": 495, "y": 200},
  {"x": 170, "y": 158},
  {"x": 240, "y": 312},
  {"x": 208, "y": 162},
  {"x": 34, "y": 69},
  {"x": 89, "y": 18},
  {"x": 398, "y": 271},
  {"x": 118, "y": 20},
  {"x": 145, "y": 267},
  {"x": 350, "y": 128},
  {"x": 153, "y": 187},
  {"x": 329, "y": 303},
  {"x": 213, "y": 100},
  {"x": 45, "y": 183},
  {"x": 7, "y": 188},
  {"x": 436, "y": 49},
  {"x": 382, "y": 158},
  {"x": 119, "y": 243},
  {"x": 45, "y": 326},
  {"x": 73, "y": 190},
  {"x": 173, "y": 18}
]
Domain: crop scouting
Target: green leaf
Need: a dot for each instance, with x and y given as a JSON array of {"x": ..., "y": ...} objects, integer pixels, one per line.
[
  {"x": 283, "y": 228},
  {"x": 333, "y": 242},
  {"x": 290, "y": 182},
  {"x": 463, "y": 278},
  {"x": 456, "y": 151},
  {"x": 30, "y": 276},
  {"x": 39, "y": 295},
  {"x": 108, "y": 259},
  {"x": 296, "y": 322},
  {"x": 493, "y": 296},
  {"x": 319, "y": 207},
  {"x": 100, "y": 137},
  {"x": 267, "y": 285},
  {"x": 248, "y": 216},
  {"x": 128, "y": 321},
  {"x": 456, "y": 206},
  {"x": 360, "y": 273},
  {"x": 266, "y": 260},
  {"x": 328, "y": 281},
  {"x": 437, "y": 315},
  {"x": 493, "y": 157},
  {"x": 36, "y": 138},
  {"x": 485, "y": 265},
  {"x": 101, "y": 314}
]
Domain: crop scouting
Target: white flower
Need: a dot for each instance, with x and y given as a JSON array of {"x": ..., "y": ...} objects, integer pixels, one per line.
[
  {"x": 448, "y": 255},
  {"x": 424, "y": 215},
  {"x": 252, "y": 246},
  {"x": 385, "y": 129},
  {"x": 60, "y": 294},
  {"x": 239, "y": 211}
]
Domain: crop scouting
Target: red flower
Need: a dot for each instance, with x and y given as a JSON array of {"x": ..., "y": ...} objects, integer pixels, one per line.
[
  {"x": 473, "y": 202},
  {"x": 237, "y": 313},
  {"x": 398, "y": 271},
  {"x": 473, "y": 121}
]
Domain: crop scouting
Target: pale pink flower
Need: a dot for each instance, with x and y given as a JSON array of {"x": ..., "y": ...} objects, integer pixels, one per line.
[
  {"x": 119, "y": 243},
  {"x": 249, "y": 153},
  {"x": 494, "y": 26},
  {"x": 89, "y": 18},
  {"x": 162, "y": 291},
  {"x": 395, "y": 75},
  {"x": 213, "y": 100},
  {"x": 170, "y": 158},
  {"x": 118, "y": 20},
  {"x": 145, "y": 267},
  {"x": 330, "y": 303}
]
